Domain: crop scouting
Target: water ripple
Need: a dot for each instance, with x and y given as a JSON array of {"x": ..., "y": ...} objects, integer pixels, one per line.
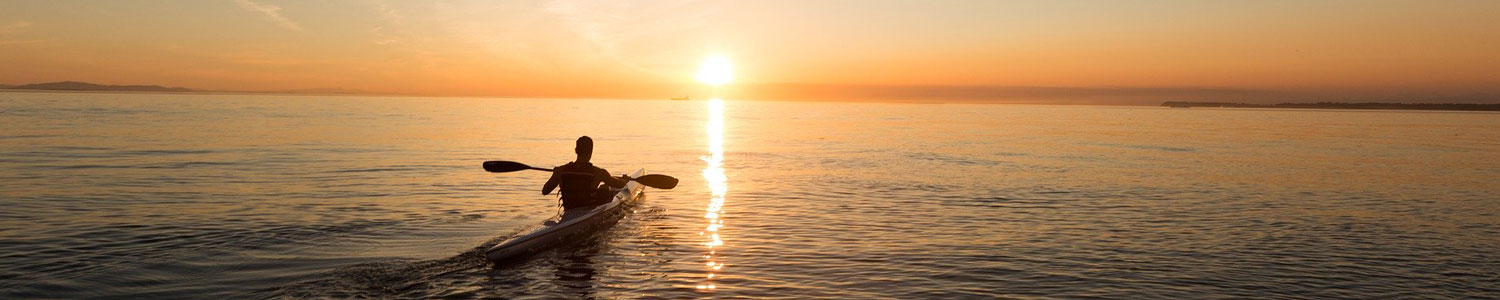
[{"x": 255, "y": 196}]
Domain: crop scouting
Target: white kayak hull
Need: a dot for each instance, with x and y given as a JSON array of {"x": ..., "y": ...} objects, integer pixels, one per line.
[{"x": 569, "y": 226}]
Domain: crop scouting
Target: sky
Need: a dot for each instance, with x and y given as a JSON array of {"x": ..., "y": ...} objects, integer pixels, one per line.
[{"x": 1096, "y": 52}]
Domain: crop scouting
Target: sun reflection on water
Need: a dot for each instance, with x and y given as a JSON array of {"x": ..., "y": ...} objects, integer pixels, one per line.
[{"x": 714, "y": 174}]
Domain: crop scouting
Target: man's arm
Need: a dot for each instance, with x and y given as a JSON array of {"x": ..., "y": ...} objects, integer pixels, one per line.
[
  {"x": 612, "y": 181},
  {"x": 550, "y": 185}
]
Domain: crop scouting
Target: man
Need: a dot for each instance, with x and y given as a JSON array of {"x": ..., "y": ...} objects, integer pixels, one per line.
[{"x": 580, "y": 179}]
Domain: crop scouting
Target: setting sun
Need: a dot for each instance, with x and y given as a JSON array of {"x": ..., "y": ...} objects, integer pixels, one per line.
[{"x": 715, "y": 70}]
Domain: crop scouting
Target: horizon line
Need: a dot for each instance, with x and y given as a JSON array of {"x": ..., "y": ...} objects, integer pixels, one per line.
[{"x": 899, "y": 93}]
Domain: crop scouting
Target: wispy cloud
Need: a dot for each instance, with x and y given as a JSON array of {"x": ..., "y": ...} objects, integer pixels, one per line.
[
  {"x": 272, "y": 13},
  {"x": 622, "y": 29},
  {"x": 20, "y": 42},
  {"x": 14, "y": 27},
  {"x": 387, "y": 36}
]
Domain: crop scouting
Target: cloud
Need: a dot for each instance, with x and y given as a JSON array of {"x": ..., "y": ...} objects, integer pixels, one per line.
[
  {"x": 272, "y": 12},
  {"x": 631, "y": 33},
  {"x": 14, "y": 27},
  {"x": 388, "y": 36},
  {"x": 20, "y": 42},
  {"x": 7, "y": 29}
]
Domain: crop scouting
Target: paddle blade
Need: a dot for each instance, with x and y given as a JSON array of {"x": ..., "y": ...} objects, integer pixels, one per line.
[
  {"x": 657, "y": 181},
  {"x": 500, "y": 166}
]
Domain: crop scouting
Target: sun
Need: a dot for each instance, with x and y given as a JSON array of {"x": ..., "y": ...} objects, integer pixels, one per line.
[{"x": 715, "y": 70}]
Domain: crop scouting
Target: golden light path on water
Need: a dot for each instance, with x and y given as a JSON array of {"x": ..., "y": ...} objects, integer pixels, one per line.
[{"x": 713, "y": 173}]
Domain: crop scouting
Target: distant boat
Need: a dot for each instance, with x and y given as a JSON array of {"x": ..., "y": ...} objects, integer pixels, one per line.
[{"x": 682, "y": 98}]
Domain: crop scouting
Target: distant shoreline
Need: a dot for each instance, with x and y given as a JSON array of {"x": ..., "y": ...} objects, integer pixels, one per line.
[
  {"x": 1342, "y": 105},
  {"x": 76, "y": 86},
  {"x": 199, "y": 92}
]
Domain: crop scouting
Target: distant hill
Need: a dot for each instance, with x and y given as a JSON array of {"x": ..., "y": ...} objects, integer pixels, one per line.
[
  {"x": 94, "y": 87},
  {"x": 84, "y": 86}
]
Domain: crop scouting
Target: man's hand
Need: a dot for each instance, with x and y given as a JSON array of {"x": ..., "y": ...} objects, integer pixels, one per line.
[{"x": 616, "y": 182}]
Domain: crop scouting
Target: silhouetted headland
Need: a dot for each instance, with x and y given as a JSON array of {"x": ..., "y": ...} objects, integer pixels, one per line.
[
  {"x": 1343, "y": 105},
  {"x": 84, "y": 86},
  {"x": 94, "y": 87}
]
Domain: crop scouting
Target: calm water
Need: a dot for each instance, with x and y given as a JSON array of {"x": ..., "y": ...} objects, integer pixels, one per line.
[{"x": 253, "y": 196}]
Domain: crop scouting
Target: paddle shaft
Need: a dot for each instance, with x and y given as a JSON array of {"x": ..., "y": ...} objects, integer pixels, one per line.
[{"x": 651, "y": 180}]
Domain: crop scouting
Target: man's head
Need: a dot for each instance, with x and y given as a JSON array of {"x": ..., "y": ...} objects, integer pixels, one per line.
[{"x": 585, "y": 148}]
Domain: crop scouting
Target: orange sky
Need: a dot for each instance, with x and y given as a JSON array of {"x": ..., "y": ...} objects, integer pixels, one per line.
[{"x": 1107, "y": 51}]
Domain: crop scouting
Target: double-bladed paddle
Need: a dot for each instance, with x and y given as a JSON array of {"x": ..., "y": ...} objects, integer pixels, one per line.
[{"x": 652, "y": 180}]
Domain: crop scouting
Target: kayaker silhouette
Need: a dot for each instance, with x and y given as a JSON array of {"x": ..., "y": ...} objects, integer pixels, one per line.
[{"x": 580, "y": 179}]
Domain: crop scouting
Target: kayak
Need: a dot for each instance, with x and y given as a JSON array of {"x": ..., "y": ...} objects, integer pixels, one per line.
[{"x": 568, "y": 226}]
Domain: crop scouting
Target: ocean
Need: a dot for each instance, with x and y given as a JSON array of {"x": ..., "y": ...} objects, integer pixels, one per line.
[{"x": 198, "y": 196}]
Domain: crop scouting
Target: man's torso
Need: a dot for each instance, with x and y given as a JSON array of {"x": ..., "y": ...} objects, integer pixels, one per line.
[{"x": 579, "y": 187}]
